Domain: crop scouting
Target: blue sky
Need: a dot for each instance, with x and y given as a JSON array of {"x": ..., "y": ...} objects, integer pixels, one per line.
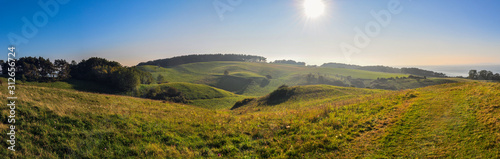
[{"x": 426, "y": 32}]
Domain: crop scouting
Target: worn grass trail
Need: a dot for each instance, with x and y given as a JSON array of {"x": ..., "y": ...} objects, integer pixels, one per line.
[
  {"x": 459, "y": 120},
  {"x": 444, "y": 124}
]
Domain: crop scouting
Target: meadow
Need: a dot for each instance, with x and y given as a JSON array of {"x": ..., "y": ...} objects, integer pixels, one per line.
[
  {"x": 259, "y": 79},
  {"x": 457, "y": 120}
]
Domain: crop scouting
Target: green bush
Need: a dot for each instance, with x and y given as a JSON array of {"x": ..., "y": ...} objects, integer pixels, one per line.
[
  {"x": 242, "y": 103},
  {"x": 280, "y": 95},
  {"x": 164, "y": 93}
]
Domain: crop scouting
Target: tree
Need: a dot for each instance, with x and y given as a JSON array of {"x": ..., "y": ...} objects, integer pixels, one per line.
[
  {"x": 310, "y": 78},
  {"x": 420, "y": 72},
  {"x": 33, "y": 68},
  {"x": 489, "y": 75},
  {"x": 5, "y": 67},
  {"x": 179, "y": 60},
  {"x": 1, "y": 65},
  {"x": 496, "y": 76},
  {"x": 63, "y": 68},
  {"x": 160, "y": 79},
  {"x": 46, "y": 68},
  {"x": 86, "y": 69},
  {"x": 473, "y": 74},
  {"x": 321, "y": 79},
  {"x": 483, "y": 75},
  {"x": 146, "y": 77},
  {"x": 28, "y": 69},
  {"x": 107, "y": 72},
  {"x": 290, "y": 62},
  {"x": 126, "y": 79}
]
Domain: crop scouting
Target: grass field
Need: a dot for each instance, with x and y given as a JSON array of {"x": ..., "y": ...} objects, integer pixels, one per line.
[
  {"x": 456, "y": 120},
  {"x": 198, "y": 94},
  {"x": 201, "y": 95},
  {"x": 247, "y": 78}
]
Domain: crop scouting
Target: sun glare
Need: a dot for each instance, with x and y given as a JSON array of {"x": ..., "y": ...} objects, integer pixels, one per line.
[{"x": 314, "y": 8}]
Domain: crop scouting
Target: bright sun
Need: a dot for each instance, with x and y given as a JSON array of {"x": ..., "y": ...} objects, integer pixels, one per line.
[{"x": 314, "y": 8}]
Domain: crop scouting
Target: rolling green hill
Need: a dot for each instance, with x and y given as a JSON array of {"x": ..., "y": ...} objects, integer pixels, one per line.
[
  {"x": 303, "y": 96},
  {"x": 457, "y": 120},
  {"x": 194, "y": 91},
  {"x": 198, "y": 94},
  {"x": 248, "y": 78},
  {"x": 201, "y": 95}
]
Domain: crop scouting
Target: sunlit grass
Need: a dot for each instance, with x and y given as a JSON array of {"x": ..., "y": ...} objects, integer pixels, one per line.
[{"x": 458, "y": 120}]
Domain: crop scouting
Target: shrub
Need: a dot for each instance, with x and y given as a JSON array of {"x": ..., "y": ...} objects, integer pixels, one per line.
[
  {"x": 242, "y": 103},
  {"x": 280, "y": 95},
  {"x": 165, "y": 93}
]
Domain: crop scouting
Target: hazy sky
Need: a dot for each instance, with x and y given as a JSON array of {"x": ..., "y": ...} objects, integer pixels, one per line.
[{"x": 422, "y": 32}]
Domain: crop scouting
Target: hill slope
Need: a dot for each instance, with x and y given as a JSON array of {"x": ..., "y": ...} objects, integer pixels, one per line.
[
  {"x": 200, "y": 95},
  {"x": 303, "y": 97},
  {"x": 248, "y": 78},
  {"x": 457, "y": 120}
]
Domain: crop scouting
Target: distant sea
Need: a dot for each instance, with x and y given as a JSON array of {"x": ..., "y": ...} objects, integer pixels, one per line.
[{"x": 459, "y": 70}]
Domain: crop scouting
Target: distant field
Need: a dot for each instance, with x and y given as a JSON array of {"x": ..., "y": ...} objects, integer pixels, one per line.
[
  {"x": 249, "y": 78},
  {"x": 457, "y": 120}
]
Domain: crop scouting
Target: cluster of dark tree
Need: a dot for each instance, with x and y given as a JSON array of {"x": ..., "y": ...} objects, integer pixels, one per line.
[
  {"x": 483, "y": 75},
  {"x": 179, "y": 60},
  {"x": 397, "y": 78},
  {"x": 421, "y": 72},
  {"x": 340, "y": 65},
  {"x": 292, "y": 62},
  {"x": 38, "y": 69},
  {"x": 413, "y": 71},
  {"x": 110, "y": 72},
  {"x": 163, "y": 92},
  {"x": 386, "y": 69},
  {"x": 94, "y": 69}
]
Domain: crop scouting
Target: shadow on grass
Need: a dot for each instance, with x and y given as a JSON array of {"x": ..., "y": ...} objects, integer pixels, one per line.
[
  {"x": 89, "y": 86},
  {"x": 282, "y": 94},
  {"x": 234, "y": 84}
]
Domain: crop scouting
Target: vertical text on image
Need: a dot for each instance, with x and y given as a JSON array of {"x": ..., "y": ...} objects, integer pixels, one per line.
[{"x": 11, "y": 98}]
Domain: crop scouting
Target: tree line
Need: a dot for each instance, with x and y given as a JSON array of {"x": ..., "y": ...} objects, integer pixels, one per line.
[
  {"x": 38, "y": 69},
  {"x": 93, "y": 69},
  {"x": 483, "y": 75},
  {"x": 179, "y": 60},
  {"x": 387, "y": 69},
  {"x": 292, "y": 62}
]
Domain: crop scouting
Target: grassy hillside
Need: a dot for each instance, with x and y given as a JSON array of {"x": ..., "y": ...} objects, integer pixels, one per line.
[
  {"x": 201, "y": 95},
  {"x": 249, "y": 78},
  {"x": 74, "y": 84},
  {"x": 198, "y": 94},
  {"x": 303, "y": 97},
  {"x": 194, "y": 91},
  {"x": 458, "y": 120}
]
